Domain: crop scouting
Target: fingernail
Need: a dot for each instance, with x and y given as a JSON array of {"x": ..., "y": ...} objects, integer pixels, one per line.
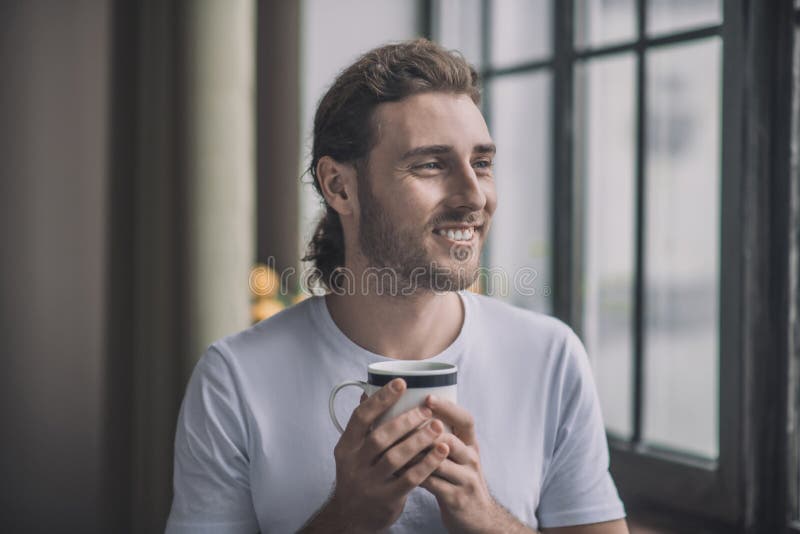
[{"x": 397, "y": 385}]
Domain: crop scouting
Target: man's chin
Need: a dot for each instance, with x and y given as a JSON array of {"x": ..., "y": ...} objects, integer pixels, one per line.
[{"x": 444, "y": 278}]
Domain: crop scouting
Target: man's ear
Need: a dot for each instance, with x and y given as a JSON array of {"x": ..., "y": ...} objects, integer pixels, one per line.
[{"x": 338, "y": 183}]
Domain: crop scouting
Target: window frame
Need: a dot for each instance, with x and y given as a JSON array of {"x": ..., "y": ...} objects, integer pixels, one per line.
[
  {"x": 655, "y": 480},
  {"x": 788, "y": 162},
  {"x": 738, "y": 490}
]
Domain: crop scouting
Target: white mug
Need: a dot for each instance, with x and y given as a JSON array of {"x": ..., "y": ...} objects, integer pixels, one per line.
[{"x": 422, "y": 378}]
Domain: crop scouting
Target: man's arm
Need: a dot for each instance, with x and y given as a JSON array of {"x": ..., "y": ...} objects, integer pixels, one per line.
[
  {"x": 511, "y": 525},
  {"x": 464, "y": 498},
  {"x": 577, "y": 488},
  {"x": 618, "y": 526},
  {"x": 328, "y": 520},
  {"x": 211, "y": 468}
]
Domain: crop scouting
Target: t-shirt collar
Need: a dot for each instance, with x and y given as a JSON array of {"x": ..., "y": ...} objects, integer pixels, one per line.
[{"x": 329, "y": 329}]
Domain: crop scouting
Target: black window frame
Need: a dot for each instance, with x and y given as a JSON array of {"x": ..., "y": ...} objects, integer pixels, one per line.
[
  {"x": 750, "y": 486},
  {"x": 788, "y": 162}
]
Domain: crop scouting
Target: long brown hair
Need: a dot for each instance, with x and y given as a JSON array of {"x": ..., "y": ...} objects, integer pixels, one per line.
[{"x": 343, "y": 129}]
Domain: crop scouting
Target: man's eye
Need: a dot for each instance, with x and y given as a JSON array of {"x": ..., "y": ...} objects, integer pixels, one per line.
[
  {"x": 431, "y": 165},
  {"x": 484, "y": 164}
]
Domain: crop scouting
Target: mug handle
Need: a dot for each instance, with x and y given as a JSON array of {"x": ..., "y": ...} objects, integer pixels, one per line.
[{"x": 360, "y": 383}]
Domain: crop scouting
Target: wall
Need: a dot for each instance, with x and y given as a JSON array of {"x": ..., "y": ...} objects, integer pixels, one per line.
[
  {"x": 53, "y": 111},
  {"x": 127, "y": 225}
]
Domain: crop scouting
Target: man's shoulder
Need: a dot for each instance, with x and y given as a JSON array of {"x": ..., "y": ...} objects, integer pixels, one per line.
[
  {"x": 534, "y": 337},
  {"x": 503, "y": 315},
  {"x": 275, "y": 335}
]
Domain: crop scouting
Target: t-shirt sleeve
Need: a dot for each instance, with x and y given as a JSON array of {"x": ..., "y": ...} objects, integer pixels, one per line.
[
  {"x": 211, "y": 470},
  {"x": 577, "y": 488}
]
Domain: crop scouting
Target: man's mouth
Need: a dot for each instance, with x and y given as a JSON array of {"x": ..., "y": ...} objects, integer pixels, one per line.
[{"x": 459, "y": 233}]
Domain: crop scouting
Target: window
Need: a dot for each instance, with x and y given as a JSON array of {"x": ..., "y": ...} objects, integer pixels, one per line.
[
  {"x": 643, "y": 174},
  {"x": 605, "y": 112},
  {"x": 521, "y": 229}
]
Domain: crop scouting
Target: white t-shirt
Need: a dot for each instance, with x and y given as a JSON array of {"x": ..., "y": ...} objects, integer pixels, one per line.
[{"x": 254, "y": 443}]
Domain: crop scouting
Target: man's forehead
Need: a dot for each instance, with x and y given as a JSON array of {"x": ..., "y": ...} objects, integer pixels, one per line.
[{"x": 441, "y": 119}]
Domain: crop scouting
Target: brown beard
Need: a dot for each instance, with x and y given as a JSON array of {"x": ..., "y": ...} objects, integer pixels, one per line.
[{"x": 401, "y": 253}]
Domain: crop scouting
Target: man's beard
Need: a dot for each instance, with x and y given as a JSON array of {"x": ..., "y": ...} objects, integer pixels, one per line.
[{"x": 400, "y": 254}]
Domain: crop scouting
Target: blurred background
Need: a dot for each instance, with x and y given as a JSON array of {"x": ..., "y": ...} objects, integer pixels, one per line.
[{"x": 152, "y": 158}]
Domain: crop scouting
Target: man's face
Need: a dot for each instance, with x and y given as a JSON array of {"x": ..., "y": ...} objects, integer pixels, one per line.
[{"x": 426, "y": 195}]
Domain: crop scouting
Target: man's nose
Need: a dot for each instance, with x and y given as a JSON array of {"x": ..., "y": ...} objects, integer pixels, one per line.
[{"x": 466, "y": 189}]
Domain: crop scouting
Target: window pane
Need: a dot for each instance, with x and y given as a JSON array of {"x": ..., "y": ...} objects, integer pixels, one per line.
[
  {"x": 520, "y": 31},
  {"x": 665, "y": 16},
  {"x": 520, "y": 234},
  {"x": 458, "y": 26},
  {"x": 605, "y": 101},
  {"x": 682, "y": 246},
  {"x": 604, "y": 22}
]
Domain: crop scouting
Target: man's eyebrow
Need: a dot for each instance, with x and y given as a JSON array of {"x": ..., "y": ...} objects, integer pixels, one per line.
[
  {"x": 491, "y": 148},
  {"x": 427, "y": 150},
  {"x": 435, "y": 150}
]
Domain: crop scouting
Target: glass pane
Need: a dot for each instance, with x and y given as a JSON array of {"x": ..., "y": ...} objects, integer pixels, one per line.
[
  {"x": 458, "y": 26},
  {"x": 682, "y": 246},
  {"x": 520, "y": 31},
  {"x": 519, "y": 246},
  {"x": 604, "y": 22},
  {"x": 665, "y": 16},
  {"x": 605, "y": 100}
]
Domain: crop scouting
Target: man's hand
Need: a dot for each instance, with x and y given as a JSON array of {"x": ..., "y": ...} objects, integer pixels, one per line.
[
  {"x": 458, "y": 484},
  {"x": 371, "y": 485}
]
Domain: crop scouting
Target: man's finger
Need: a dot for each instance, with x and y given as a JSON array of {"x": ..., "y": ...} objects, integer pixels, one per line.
[
  {"x": 368, "y": 411},
  {"x": 439, "y": 487},
  {"x": 460, "y": 453},
  {"x": 459, "y": 419},
  {"x": 453, "y": 473}
]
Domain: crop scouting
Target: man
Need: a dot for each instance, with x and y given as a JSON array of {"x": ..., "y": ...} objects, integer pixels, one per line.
[{"x": 403, "y": 160}]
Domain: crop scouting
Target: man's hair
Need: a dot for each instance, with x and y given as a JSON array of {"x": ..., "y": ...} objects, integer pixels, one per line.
[{"x": 343, "y": 122}]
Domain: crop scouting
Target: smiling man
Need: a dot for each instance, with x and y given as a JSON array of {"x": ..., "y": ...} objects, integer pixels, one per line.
[{"x": 403, "y": 160}]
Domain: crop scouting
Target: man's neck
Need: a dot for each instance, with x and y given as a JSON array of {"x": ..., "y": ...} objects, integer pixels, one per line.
[{"x": 400, "y": 327}]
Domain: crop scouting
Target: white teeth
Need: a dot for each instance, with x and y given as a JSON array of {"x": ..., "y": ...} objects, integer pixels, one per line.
[{"x": 456, "y": 235}]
